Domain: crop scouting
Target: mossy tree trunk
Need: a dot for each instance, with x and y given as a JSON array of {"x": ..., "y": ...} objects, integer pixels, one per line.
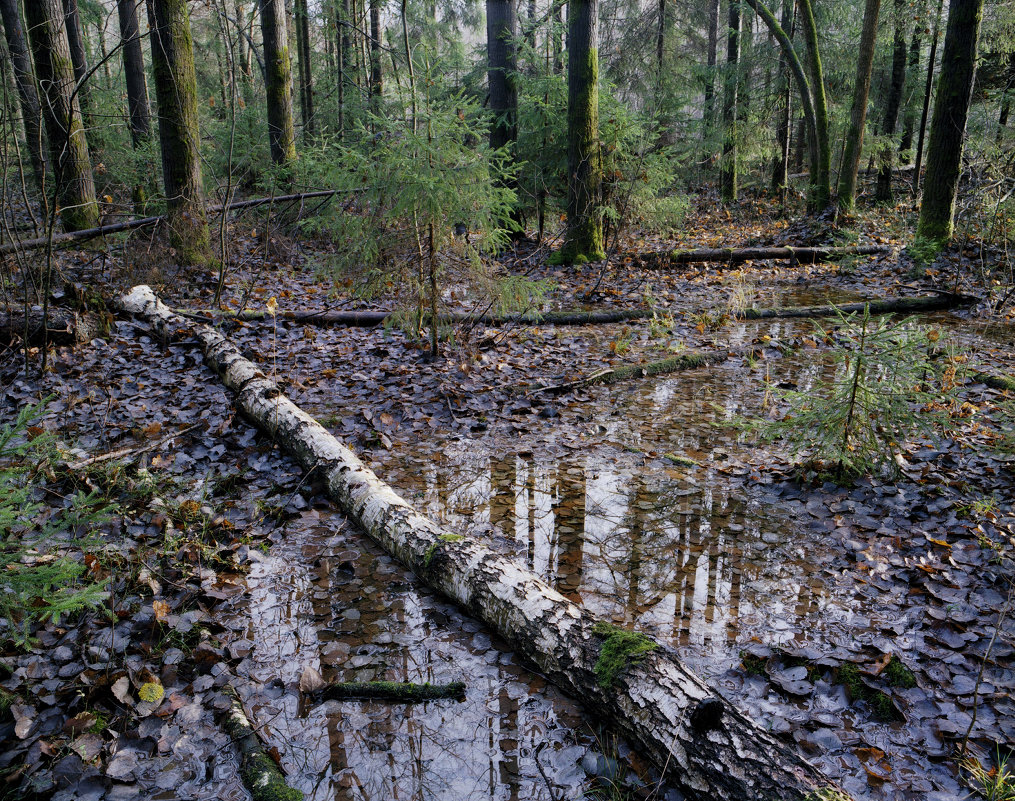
[
  {"x": 137, "y": 93},
  {"x": 780, "y": 166},
  {"x": 948, "y": 127},
  {"x": 78, "y": 51},
  {"x": 858, "y": 112},
  {"x": 281, "y": 130},
  {"x": 74, "y": 184},
  {"x": 305, "y": 75},
  {"x": 583, "y": 240},
  {"x": 883, "y": 193},
  {"x": 731, "y": 83},
  {"x": 24, "y": 79},
  {"x": 820, "y": 190},
  {"x": 176, "y": 90}
]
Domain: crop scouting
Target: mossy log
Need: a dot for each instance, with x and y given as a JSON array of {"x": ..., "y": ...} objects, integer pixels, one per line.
[
  {"x": 655, "y": 702},
  {"x": 941, "y": 301},
  {"x": 685, "y": 361},
  {"x": 261, "y": 776},
  {"x": 802, "y": 255},
  {"x": 394, "y": 691},
  {"x": 1003, "y": 382},
  {"x": 61, "y": 327}
]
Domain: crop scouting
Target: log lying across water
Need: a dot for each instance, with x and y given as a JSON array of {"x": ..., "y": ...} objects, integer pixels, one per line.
[
  {"x": 802, "y": 255},
  {"x": 700, "y": 742}
]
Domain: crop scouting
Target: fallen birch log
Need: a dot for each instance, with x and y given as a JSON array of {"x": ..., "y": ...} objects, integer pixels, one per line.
[
  {"x": 699, "y": 741},
  {"x": 802, "y": 255},
  {"x": 261, "y": 776}
]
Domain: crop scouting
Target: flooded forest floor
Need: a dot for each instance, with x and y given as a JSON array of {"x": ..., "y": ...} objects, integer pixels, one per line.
[{"x": 869, "y": 623}]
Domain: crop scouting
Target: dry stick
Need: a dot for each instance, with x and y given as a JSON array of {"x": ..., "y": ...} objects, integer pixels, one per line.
[
  {"x": 652, "y": 702},
  {"x": 129, "y": 454},
  {"x": 260, "y": 774}
]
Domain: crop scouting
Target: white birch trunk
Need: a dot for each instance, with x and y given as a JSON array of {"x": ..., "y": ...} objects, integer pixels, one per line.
[{"x": 701, "y": 743}]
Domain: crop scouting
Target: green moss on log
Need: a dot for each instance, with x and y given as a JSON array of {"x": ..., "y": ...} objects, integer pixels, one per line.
[
  {"x": 429, "y": 555},
  {"x": 1003, "y": 382},
  {"x": 261, "y": 776},
  {"x": 397, "y": 692},
  {"x": 620, "y": 649}
]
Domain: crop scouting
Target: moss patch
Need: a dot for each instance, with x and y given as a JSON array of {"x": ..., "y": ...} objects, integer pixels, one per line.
[
  {"x": 880, "y": 703},
  {"x": 753, "y": 665},
  {"x": 620, "y": 649},
  {"x": 899, "y": 675},
  {"x": 428, "y": 556}
]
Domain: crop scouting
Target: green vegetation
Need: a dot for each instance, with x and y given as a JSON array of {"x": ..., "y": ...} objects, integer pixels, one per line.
[
  {"x": 620, "y": 649},
  {"x": 880, "y": 703},
  {"x": 898, "y": 674},
  {"x": 993, "y": 784},
  {"x": 432, "y": 550}
]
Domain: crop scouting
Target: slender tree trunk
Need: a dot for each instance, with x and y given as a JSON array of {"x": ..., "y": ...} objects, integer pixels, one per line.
[
  {"x": 500, "y": 32},
  {"x": 172, "y": 51},
  {"x": 75, "y": 186},
  {"x": 376, "y": 81},
  {"x": 713, "y": 55},
  {"x": 927, "y": 88},
  {"x": 306, "y": 76},
  {"x": 78, "y": 53},
  {"x": 821, "y": 191},
  {"x": 728, "y": 165},
  {"x": 583, "y": 240},
  {"x": 344, "y": 62},
  {"x": 660, "y": 39},
  {"x": 558, "y": 39},
  {"x": 780, "y": 171},
  {"x": 858, "y": 113},
  {"x": 242, "y": 53},
  {"x": 24, "y": 77},
  {"x": 893, "y": 104},
  {"x": 912, "y": 68},
  {"x": 281, "y": 130},
  {"x": 948, "y": 128},
  {"x": 137, "y": 91}
]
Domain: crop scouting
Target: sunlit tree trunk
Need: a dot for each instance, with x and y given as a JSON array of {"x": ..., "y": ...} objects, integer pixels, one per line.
[
  {"x": 306, "y": 77},
  {"x": 281, "y": 130},
  {"x": 24, "y": 78},
  {"x": 948, "y": 127},
  {"x": 172, "y": 51},
  {"x": 728, "y": 165},
  {"x": 893, "y": 103},
  {"x": 137, "y": 88},
  {"x": 72, "y": 169},
  {"x": 858, "y": 113},
  {"x": 583, "y": 240}
]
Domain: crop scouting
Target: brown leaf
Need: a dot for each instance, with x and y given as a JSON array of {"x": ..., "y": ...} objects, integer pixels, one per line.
[{"x": 311, "y": 681}]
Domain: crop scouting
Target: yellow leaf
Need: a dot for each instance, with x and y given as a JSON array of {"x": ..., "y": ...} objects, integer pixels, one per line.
[
  {"x": 151, "y": 692},
  {"x": 942, "y": 543},
  {"x": 271, "y": 305}
]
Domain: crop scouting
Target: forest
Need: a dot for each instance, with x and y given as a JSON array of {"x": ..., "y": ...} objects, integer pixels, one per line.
[{"x": 546, "y": 400}]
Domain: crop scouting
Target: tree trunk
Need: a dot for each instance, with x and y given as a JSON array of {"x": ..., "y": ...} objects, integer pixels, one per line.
[
  {"x": 176, "y": 91},
  {"x": 344, "y": 61},
  {"x": 883, "y": 193},
  {"x": 948, "y": 128},
  {"x": 858, "y": 113},
  {"x": 306, "y": 76},
  {"x": 501, "y": 30},
  {"x": 24, "y": 78},
  {"x": 75, "y": 187},
  {"x": 912, "y": 68},
  {"x": 728, "y": 164},
  {"x": 137, "y": 92},
  {"x": 376, "y": 80},
  {"x": 583, "y": 240},
  {"x": 713, "y": 57},
  {"x": 78, "y": 53},
  {"x": 928, "y": 87},
  {"x": 821, "y": 191},
  {"x": 281, "y": 130},
  {"x": 698, "y": 740},
  {"x": 780, "y": 167}
]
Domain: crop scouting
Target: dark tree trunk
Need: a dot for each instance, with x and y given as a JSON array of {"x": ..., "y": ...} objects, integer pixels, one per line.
[
  {"x": 728, "y": 165},
  {"x": 306, "y": 76},
  {"x": 72, "y": 169},
  {"x": 780, "y": 169},
  {"x": 376, "y": 81},
  {"x": 344, "y": 61},
  {"x": 858, "y": 113},
  {"x": 281, "y": 130},
  {"x": 948, "y": 128},
  {"x": 137, "y": 88},
  {"x": 176, "y": 91},
  {"x": 24, "y": 78},
  {"x": 660, "y": 39},
  {"x": 78, "y": 53},
  {"x": 501, "y": 28},
  {"x": 713, "y": 55},
  {"x": 894, "y": 102},
  {"x": 912, "y": 68},
  {"x": 584, "y": 237},
  {"x": 821, "y": 193},
  {"x": 928, "y": 87}
]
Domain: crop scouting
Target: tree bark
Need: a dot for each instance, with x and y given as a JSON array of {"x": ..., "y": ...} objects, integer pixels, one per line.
[
  {"x": 858, "y": 113},
  {"x": 927, "y": 89},
  {"x": 912, "y": 68},
  {"x": 803, "y": 255},
  {"x": 821, "y": 192},
  {"x": 376, "y": 79},
  {"x": 731, "y": 83},
  {"x": 698, "y": 740},
  {"x": 501, "y": 29},
  {"x": 172, "y": 51},
  {"x": 24, "y": 78},
  {"x": 583, "y": 240},
  {"x": 713, "y": 57},
  {"x": 57, "y": 326},
  {"x": 306, "y": 76},
  {"x": 137, "y": 91},
  {"x": 948, "y": 127},
  {"x": 780, "y": 167},
  {"x": 78, "y": 52},
  {"x": 261, "y": 775},
  {"x": 883, "y": 193},
  {"x": 74, "y": 184},
  {"x": 279, "y": 84}
]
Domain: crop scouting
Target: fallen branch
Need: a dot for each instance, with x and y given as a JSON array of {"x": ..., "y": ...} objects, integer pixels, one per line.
[
  {"x": 685, "y": 361},
  {"x": 128, "y": 454},
  {"x": 803, "y": 255},
  {"x": 1002, "y": 382},
  {"x": 918, "y": 304},
  {"x": 394, "y": 691},
  {"x": 144, "y": 222},
  {"x": 261, "y": 776},
  {"x": 695, "y": 738},
  {"x": 62, "y": 327}
]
